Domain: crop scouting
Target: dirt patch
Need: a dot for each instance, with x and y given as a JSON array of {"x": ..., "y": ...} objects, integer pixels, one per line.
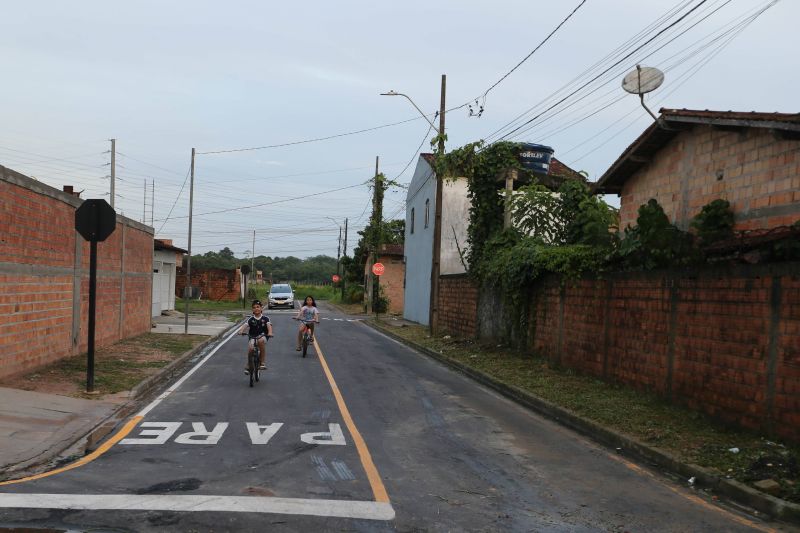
[{"x": 118, "y": 368}]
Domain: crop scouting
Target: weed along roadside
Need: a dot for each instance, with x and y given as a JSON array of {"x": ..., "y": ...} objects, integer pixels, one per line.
[{"x": 719, "y": 460}]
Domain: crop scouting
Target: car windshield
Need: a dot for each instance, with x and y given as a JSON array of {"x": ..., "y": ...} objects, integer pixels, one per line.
[{"x": 280, "y": 289}]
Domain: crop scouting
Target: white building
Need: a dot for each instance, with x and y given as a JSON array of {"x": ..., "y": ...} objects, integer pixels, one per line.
[
  {"x": 420, "y": 207},
  {"x": 166, "y": 258}
]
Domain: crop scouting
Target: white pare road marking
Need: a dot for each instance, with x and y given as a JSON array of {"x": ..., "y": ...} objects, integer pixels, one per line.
[
  {"x": 198, "y": 503},
  {"x": 162, "y": 432}
]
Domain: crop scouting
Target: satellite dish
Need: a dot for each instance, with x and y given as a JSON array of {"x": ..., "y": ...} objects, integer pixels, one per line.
[{"x": 643, "y": 80}]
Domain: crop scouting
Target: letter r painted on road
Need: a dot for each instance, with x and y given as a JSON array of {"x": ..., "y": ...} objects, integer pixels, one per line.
[
  {"x": 157, "y": 436},
  {"x": 262, "y": 434},
  {"x": 333, "y": 436},
  {"x": 201, "y": 435}
]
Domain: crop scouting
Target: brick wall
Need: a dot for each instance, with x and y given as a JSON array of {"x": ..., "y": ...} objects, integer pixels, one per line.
[
  {"x": 752, "y": 169},
  {"x": 458, "y": 302},
  {"x": 217, "y": 284},
  {"x": 44, "y": 276},
  {"x": 392, "y": 281},
  {"x": 725, "y": 342}
]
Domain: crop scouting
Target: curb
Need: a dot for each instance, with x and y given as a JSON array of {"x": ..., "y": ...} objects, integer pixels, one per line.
[
  {"x": 90, "y": 440},
  {"x": 734, "y": 490},
  {"x": 145, "y": 387}
]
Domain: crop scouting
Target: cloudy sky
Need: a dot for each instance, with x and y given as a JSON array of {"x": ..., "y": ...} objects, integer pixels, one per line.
[{"x": 164, "y": 77}]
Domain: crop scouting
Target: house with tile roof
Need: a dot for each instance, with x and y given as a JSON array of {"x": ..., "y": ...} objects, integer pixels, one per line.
[{"x": 689, "y": 158}]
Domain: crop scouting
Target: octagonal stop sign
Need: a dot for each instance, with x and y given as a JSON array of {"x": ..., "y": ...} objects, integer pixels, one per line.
[{"x": 95, "y": 220}]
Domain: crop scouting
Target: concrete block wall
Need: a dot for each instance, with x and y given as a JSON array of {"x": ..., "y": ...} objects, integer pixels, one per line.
[
  {"x": 44, "y": 277},
  {"x": 756, "y": 172}
]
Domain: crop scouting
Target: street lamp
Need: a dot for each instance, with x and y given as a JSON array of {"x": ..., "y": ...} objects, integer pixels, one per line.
[
  {"x": 395, "y": 93},
  {"x": 433, "y": 317}
]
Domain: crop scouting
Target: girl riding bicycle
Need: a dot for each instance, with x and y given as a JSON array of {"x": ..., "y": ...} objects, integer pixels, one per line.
[{"x": 309, "y": 315}]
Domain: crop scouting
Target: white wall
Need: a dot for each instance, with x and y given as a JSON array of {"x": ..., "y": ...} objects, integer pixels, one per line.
[
  {"x": 163, "y": 281},
  {"x": 455, "y": 223}
]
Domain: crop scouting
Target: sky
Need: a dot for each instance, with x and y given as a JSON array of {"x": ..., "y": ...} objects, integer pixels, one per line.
[{"x": 165, "y": 77}]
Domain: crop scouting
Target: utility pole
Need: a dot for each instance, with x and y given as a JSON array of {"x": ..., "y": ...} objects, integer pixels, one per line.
[
  {"x": 187, "y": 293},
  {"x": 345, "y": 254},
  {"x": 437, "y": 222},
  {"x": 144, "y": 204},
  {"x": 152, "y": 201},
  {"x": 253, "y": 260},
  {"x": 113, "y": 171},
  {"x": 339, "y": 251},
  {"x": 374, "y": 246}
]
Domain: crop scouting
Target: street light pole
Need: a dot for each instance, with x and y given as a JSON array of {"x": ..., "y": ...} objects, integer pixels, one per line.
[
  {"x": 433, "y": 311},
  {"x": 187, "y": 293}
]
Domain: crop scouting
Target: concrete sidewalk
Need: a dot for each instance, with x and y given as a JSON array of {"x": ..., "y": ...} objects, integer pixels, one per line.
[
  {"x": 199, "y": 324},
  {"x": 33, "y": 424}
]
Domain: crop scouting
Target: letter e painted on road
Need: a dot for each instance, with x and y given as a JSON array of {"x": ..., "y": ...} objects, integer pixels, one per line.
[
  {"x": 201, "y": 435},
  {"x": 157, "y": 436},
  {"x": 262, "y": 434},
  {"x": 333, "y": 436}
]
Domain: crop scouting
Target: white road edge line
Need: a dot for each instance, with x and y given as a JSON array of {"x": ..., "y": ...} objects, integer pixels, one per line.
[
  {"x": 202, "y": 503},
  {"x": 178, "y": 383}
]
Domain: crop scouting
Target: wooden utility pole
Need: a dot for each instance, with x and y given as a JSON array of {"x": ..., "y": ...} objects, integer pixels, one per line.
[
  {"x": 253, "y": 260},
  {"x": 339, "y": 251},
  {"x": 113, "y": 172},
  {"x": 345, "y": 254},
  {"x": 374, "y": 246},
  {"x": 187, "y": 292},
  {"x": 433, "y": 318}
]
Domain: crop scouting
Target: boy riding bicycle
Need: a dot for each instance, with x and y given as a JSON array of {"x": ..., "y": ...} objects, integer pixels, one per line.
[{"x": 258, "y": 329}]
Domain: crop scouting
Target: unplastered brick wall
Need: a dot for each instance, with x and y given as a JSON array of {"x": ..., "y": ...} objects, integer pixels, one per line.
[
  {"x": 758, "y": 173},
  {"x": 722, "y": 341},
  {"x": 216, "y": 284},
  {"x": 44, "y": 277},
  {"x": 391, "y": 281},
  {"x": 458, "y": 301}
]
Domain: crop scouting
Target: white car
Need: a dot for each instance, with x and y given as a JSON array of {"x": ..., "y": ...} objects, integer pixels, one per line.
[{"x": 280, "y": 295}]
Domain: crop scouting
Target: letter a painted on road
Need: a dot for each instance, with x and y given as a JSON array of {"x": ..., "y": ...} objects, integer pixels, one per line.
[
  {"x": 333, "y": 436},
  {"x": 262, "y": 434},
  {"x": 201, "y": 435}
]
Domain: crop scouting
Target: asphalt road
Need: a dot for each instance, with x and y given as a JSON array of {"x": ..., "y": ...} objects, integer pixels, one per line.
[{"x": 362, "y": 435}]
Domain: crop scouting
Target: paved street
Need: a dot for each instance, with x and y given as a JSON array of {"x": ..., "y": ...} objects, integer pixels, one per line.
[{"x": 362, "y": 435}]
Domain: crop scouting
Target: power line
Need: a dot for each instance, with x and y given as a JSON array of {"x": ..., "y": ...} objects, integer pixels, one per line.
[
  {"x": 618, "y": 62},
  {"x": 306, "y": 141},
  {"x": 507, "y": 74},
  {"x": 272, "y": 203},
  {"x": 175, "y": 202}
]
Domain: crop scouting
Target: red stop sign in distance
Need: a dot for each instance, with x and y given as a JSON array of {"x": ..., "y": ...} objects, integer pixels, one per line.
[
  {"x": 378, "y": 269},
  {"x": 336, "y": 278}
]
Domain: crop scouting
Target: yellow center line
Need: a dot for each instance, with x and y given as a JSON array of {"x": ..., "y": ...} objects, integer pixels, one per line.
[
  {"x": 375, "y": 481},
  {"x": 103, "y": 448}
]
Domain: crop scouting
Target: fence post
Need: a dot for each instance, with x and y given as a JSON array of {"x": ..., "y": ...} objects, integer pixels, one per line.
[{"x": 607, "y": 326}]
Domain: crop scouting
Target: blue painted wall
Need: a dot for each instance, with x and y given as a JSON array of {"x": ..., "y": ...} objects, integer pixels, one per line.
[{"x": 419, "y": 244}]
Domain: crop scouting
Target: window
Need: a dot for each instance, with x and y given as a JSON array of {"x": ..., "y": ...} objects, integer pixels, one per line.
[
  {"x": 412, "y": 220},
  {"x": 427, "y": 211}
]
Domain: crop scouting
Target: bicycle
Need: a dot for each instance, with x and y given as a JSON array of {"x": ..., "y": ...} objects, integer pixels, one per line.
[
  {"x": 307, "y": 335},
  {"x": 254, "y": 361}
]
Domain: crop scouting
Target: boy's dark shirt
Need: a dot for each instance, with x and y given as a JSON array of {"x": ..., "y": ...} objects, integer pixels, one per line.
[{"x": 258, "y": 326}]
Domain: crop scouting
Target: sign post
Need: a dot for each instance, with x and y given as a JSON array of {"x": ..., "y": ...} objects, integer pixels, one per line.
[
  {"x": 95, "y": 220},
  {"x": 378, "y": 269}
]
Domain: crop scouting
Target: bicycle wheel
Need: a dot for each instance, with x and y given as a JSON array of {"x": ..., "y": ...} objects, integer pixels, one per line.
[
  {"x": 305, "y": 343},
  {"x": 257, "y": 363},
  {"x": 253, "y": 368}
]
